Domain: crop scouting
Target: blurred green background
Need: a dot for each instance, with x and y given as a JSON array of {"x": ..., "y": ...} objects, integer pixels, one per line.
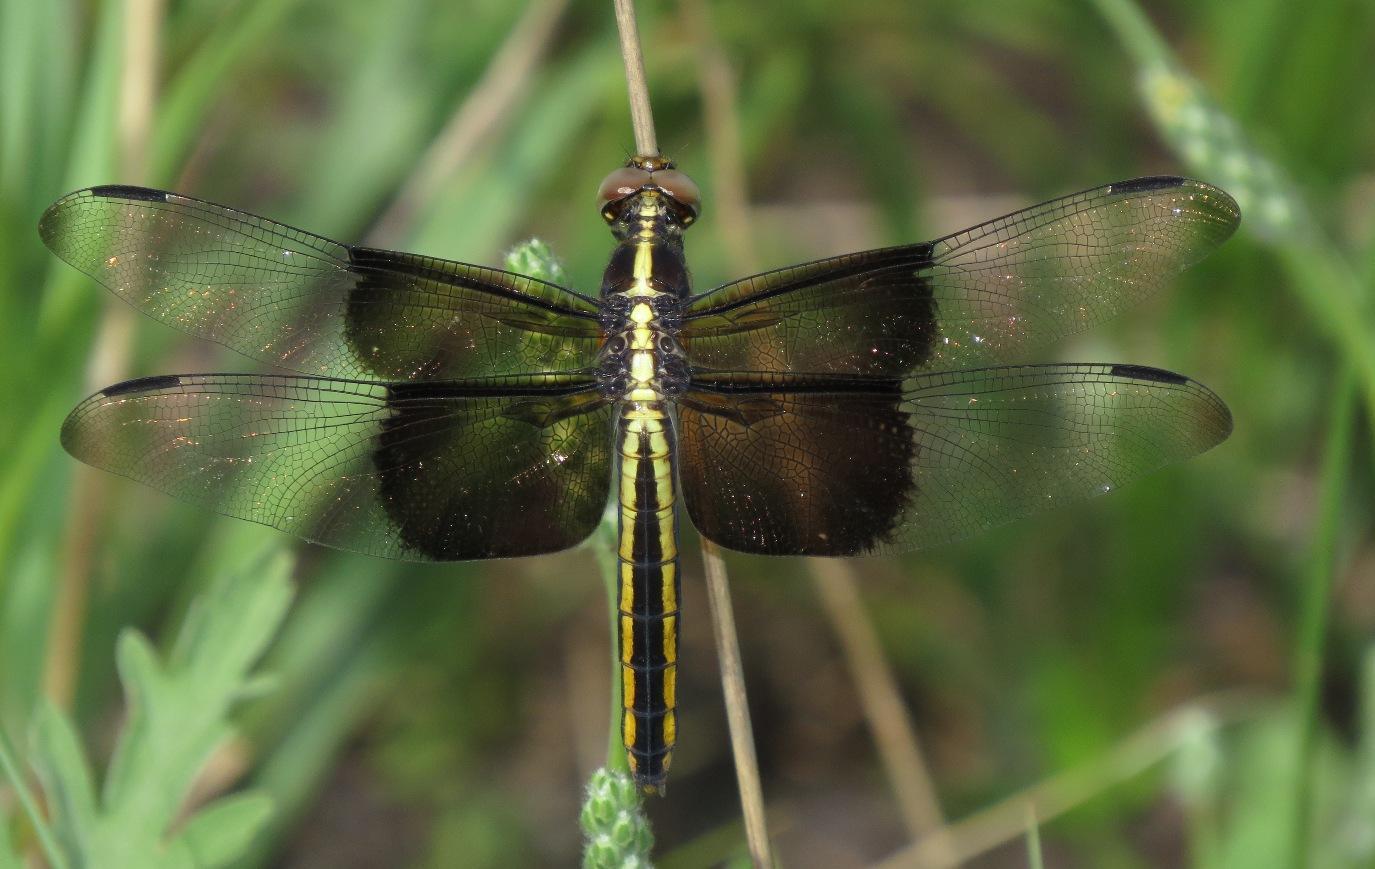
[{"x": 1180, "y": 672}]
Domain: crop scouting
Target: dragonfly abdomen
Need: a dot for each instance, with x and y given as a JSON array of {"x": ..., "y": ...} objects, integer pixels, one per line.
[{"x": 649, "y": 590}]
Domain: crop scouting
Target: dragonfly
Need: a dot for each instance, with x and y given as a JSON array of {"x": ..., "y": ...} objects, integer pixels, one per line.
[{"x": 863, "y": 404}]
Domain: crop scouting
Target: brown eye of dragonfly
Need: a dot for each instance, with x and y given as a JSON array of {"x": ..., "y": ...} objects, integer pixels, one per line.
[
  {"x": 619, "y": 184},
  {"x": 682, "y": 188}
]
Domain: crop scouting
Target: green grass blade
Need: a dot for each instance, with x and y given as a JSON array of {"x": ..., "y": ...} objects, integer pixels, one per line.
[
  {"x": 10, "y": 766},
  {"x": 18, "y": 54},
  {"x": 91, "y": 159},
  {"x": 68, "y": 784},
  {"x": 1033, "y": 840},
  {"x": 26, "y": 594},
  {"x": 565, "y": 100},
  {"x": 191, "y": 93},
  {"x": 57, "y": 83},
  {"x": 1318, "y": 580}
]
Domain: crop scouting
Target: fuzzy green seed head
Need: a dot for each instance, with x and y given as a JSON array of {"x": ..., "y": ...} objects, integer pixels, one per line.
[
  {"x": 616, "y": 832},
  {"x": 536, "y": 259},
  {"x": 1218, "y": 151}
]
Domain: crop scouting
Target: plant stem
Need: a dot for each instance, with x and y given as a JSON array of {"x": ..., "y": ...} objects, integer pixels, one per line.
[
  {"x": 1033, "y": 839},
  {"x": 604, "y": 547},
  {"x": 1003, "y": 821},
  {"x": 889, "y": 721},
  {"x": 641, "y": 115},
  {"x": 737, "y": 705}
]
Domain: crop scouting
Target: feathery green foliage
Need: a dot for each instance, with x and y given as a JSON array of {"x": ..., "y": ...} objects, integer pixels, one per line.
[{"x": 177, "y": 719}]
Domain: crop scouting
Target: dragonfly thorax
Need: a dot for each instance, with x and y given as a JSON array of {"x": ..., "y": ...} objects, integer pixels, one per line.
[{"x": 641, "y": 359}]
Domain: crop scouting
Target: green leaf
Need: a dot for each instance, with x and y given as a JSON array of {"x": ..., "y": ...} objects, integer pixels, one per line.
[
  {"x": 258, "y": 686},
  {"x": 66, "y": 778},
  {"x": 139, "y": 671},
  {"x": 9, "y": 764},
  {"x": 91, "y": 158},
  {"x": 219, "y": 834},
  {"x": 178, "y": 716}
]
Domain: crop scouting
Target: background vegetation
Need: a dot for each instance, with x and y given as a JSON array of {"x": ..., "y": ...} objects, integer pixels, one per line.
[{"x": 1181, "y": 674}]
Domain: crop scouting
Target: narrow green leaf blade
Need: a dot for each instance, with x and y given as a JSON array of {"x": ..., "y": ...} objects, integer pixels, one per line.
[
  {"x": 219, "y": 833},
  {"x": 66, "y": 777}
]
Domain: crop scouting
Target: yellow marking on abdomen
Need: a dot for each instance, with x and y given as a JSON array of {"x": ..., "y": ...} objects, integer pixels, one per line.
[
  {"x": 648, "y": 625},
  {"x": 627, "y": 639},
  {"x": 628, "y": 738},
  {"x": 670, "y": 677},
  {"x": 669, "y": 591},
  {"x": 663, "y": 483},
  {"x": 663, "y": 517},
  {"x": 671, "y": 640},
  {"x": 627, "y": 687}
]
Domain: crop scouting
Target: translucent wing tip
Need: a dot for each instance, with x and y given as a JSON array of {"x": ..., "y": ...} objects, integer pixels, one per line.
[
  {"x": 56, "y": 226},
  {"x": 84, "y": 443},
  {"x": 55, "y": 221},
  {"x": 1204, "y": 200},
  {"x": 1212, "y": 419}
]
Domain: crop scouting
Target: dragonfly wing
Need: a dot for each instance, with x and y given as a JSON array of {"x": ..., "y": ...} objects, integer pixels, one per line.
[
  {"x": 977, "y": 297},
  {"x": 808, "y": 465},
  {"x": 296, "y": 300},
  {"x": 428, "y": 472}
]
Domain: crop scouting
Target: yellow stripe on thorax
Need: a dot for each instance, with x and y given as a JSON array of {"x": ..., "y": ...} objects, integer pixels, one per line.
[{"x": 644, "y": 361}]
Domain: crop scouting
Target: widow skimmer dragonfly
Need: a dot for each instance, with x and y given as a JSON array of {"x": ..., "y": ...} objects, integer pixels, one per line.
[{"x": 439, "y": 411}]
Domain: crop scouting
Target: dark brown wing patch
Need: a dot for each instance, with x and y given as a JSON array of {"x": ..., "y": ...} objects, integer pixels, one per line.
[{"x": 826, "y": 472}]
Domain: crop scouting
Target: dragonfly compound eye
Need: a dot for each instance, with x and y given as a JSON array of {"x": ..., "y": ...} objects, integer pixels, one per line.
[
  {"x": 626, "y": 181},
  {"x": 682, "y": 188}
]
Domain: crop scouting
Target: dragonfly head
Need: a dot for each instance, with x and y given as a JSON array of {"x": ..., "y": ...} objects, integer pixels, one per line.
[{"x": 649, "y": 187}]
